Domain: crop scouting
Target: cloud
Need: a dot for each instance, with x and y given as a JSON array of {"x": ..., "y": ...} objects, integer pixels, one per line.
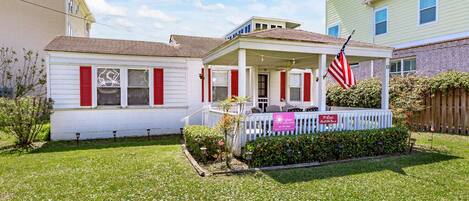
[
  {"x": 159, "y": 15},
  {"x": 101, "y": 7},
  {"x": 208, "y": 7},
  {"x": 124, "y": 23},
  {"x": 235, "y": 20}
]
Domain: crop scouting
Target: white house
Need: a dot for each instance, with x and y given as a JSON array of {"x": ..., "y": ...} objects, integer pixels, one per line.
[{"x": 103, "y": 86}]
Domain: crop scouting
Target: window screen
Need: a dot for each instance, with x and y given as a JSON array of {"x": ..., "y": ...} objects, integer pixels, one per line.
[
  {"x": 381, "y": 21},
  {"x": 108, "y": 84},
  {"x": 427, "y": 11},
  {"x": 220, "y": 85},
  {"x": 295, "y": 87},
  {"x": 138, "y": 87}
]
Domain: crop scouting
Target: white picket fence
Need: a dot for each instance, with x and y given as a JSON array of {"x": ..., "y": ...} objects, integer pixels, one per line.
[{"x": 261, "y": 125}]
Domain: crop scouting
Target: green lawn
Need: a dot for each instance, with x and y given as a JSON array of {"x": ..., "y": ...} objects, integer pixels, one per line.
[{"x": 138, "y": 169}]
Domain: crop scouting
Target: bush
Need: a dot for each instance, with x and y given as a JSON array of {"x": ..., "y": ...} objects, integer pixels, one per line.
[
  {"x": 44, "y": 134},
  {"x": 284, "y": 150},
  {"x": 24, "y": 118},
  {"x": 197, "y": 137},
  {"x": 405, "y": 94}
]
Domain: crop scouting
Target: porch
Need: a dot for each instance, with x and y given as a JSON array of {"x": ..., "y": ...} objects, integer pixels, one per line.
[{"x": 279, "y": 53}]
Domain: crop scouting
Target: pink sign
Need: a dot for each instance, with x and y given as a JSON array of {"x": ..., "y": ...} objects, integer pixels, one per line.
[{"x": 284, "y": 121}]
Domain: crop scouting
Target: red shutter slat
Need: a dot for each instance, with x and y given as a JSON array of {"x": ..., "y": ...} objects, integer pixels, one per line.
[
  {"x": 307, "y": 88},
  {"x": 158, "y": 83},
  {"x": 85, "y": 86},
  {"x": 283, "y": 83},
  {"x": 234, "y": 83}
]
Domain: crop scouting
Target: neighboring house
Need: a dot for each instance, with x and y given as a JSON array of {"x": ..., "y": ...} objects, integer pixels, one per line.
[
  {"x": 261, "y": 23},
  {"x": 429, "y": 36},
  {"x": 100, "y": 85},
  {"x": 32, "y": 24}
]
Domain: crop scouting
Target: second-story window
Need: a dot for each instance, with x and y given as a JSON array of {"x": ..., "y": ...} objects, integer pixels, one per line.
[
  {"x": 333, "y": 31},
  {"x": 427, "y": 11},
  {"x": 381, "y": 21}
]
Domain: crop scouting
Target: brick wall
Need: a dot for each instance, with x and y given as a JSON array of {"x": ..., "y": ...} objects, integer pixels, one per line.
[{"x": 431, "y": 59}]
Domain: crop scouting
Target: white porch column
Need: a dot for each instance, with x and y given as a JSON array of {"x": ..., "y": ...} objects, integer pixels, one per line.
[
  {"x": 322, "y": 82},
  {"x": 254, "y": 75},
  {"x": 314, "y": 88},
  {"x": 242, "y": 72},
  {"x": 385, "y": 86}
]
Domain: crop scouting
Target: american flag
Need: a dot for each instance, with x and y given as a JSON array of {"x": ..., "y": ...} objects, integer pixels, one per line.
[{"x": 340, "y": 69}]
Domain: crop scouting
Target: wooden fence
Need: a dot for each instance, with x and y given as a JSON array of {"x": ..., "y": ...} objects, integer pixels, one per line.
[{"x": 444, "y": 112}]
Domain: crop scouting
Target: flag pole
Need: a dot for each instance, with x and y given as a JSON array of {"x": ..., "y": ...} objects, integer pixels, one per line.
[{"x": 343, "y": 48}]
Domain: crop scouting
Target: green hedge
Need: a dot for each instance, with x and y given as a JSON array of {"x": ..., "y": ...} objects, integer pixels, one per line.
[
  {"x": 197, "y": 137},
  {"x": 283, "y": 150}
]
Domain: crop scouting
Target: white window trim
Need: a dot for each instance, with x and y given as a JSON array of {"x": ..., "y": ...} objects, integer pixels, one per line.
[
  {"x": 123, "y": 86},
  {"x": 387, "y": 20},
  {"x": 402, "y": 72},
  {"x": 150, "y": 88},
  {"x": 228, "y": 72},
  {"x": 437, "y": 5},
  {"x": 301, "y": 87},
  {"x": 333, "y": 25}
]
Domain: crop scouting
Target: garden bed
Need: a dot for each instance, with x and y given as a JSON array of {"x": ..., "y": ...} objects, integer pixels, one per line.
[{"x": 286, "y": 152}]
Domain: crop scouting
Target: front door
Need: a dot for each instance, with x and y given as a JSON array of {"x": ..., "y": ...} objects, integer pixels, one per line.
[{"x": 263, "y": 91}]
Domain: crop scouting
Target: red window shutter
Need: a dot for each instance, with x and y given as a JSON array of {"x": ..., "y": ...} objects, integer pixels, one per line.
[
  {"x": 307, "y": 88},
  {"x": 85, "y": 86},
  {"x": 158, "y": 86},
  {"x": 203, "y": 84},
  {"x": 209, "y": 85},
  {"x": 283, "y": 83},
  {"x": 234, "y": 83}
]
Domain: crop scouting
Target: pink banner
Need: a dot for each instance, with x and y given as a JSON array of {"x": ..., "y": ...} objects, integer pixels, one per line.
[{"x": 284, "y": 121}]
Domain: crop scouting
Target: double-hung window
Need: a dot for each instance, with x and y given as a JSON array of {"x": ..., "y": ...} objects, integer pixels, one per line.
[
  {"x": 333, "y": 31},
  {"x": 295, "y": 87},
  {"x": 138, "y": 87},
  {"x": 220, "y": 85},
  {"x": 109, "y": 86},
  {"x": 381, "y": 21},
  {"x": 427, "y": 11}
]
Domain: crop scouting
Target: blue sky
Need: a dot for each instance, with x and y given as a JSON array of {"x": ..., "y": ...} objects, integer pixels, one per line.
[{"x": 155, "y": 20}]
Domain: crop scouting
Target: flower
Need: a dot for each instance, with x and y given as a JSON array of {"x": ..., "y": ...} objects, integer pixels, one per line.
[{"x": 221, "y": 143}]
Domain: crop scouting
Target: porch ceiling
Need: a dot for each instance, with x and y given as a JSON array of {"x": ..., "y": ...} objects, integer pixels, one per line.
[
  {"x": 285, "y": 52},
  {"x": 279, "y": 59}
]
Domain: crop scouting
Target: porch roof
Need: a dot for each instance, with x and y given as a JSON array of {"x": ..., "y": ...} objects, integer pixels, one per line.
[{"x": 288, "y": 48}]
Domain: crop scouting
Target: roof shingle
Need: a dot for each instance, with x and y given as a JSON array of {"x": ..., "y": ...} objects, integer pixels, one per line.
[{"x": 306, "y": 36}]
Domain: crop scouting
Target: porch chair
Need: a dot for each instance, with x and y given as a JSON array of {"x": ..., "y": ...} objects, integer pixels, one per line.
[
  {"x": 312, "y": 109},
  {"x": 273, "y": 108},
  {"x": 256, "y": 110},
  {"x": 294, "y": 109},
  {"x": 287, "y": 107}
]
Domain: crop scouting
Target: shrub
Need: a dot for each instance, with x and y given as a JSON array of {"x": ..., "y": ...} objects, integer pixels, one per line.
[
  {"x": 283, "y": 150},
  {"x": 405, "y": 94},
  {"x": 197, "y": 137},
  {"x": 24, "y": 118}
]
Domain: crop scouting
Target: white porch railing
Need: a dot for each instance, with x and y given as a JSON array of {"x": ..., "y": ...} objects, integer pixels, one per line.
[{"x": 261, "y": 125}]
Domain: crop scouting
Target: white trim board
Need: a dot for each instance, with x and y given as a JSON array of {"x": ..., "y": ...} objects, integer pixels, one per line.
[{"x": 432, "y": 40}]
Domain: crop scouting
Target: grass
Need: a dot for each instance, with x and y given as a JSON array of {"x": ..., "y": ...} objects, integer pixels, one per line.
[{"x": 138, "y": 169}]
